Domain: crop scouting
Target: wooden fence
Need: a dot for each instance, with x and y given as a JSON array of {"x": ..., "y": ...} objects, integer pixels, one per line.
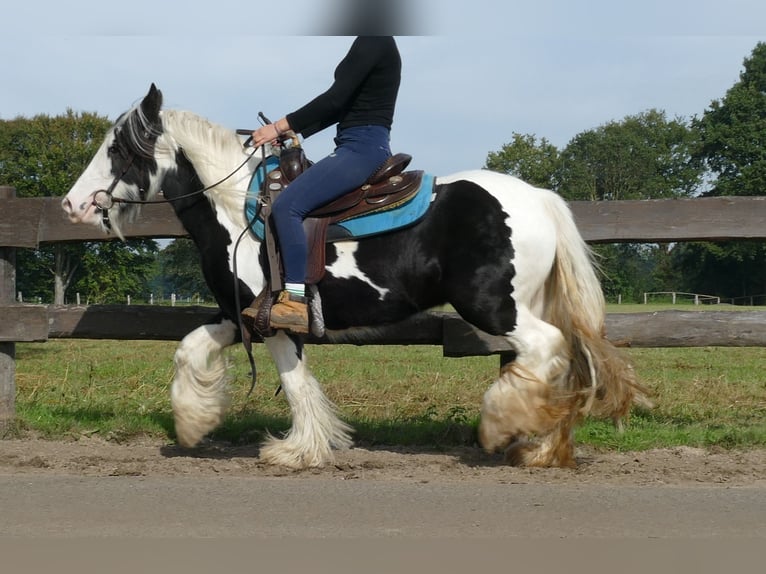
[{"x": 30, "y": 222}]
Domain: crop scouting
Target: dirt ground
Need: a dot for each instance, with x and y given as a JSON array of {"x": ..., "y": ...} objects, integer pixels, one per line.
[{"x": 143, "y": 457}]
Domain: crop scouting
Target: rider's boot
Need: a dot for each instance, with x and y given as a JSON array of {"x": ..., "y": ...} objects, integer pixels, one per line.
[{"x": 290, "y": 312}]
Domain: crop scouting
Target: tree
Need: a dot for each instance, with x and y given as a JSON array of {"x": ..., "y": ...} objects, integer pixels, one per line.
[
  {"x": 526, "y": 158},
  {"x": 640, "y": 157},
  {"x": 732, "y": 135},
  {"x": 112, "y": 270},
  {"x": 180, "y": 269},
  {"x": 626, "y": 269},
  {"x": 733, "y": 132},
  {"x": 645, "y": 156},
  {"x": 727, "y": 269},
  {"x": 42, "y": 157}
]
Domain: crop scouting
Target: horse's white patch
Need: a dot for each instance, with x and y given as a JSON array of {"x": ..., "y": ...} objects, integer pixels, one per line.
[
  {"x": 346, "y": 268},
  {"x": 78, "y": 203},
  {"x": 533, "y": 236}
]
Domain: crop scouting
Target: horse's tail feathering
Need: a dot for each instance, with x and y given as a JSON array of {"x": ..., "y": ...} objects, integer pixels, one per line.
[{"x": 601, "y": 374}]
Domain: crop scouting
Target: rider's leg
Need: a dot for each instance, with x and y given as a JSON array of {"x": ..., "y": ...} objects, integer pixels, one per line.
[{"x": 361, "y": 150}]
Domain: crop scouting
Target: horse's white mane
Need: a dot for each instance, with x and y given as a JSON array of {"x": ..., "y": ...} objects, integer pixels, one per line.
[
  {"x": 215, "y": 152},
  {"x": 202, "y": 140}
]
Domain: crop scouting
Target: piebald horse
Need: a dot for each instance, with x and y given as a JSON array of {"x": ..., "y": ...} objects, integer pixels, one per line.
[{"x": 506, "y": 255}]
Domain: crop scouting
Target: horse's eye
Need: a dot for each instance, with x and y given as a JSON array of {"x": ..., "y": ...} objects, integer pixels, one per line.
[{"x": 113, "y": 149}]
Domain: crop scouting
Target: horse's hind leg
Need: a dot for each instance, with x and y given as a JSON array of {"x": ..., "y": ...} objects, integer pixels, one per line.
[
  {"x": 316, "y": 428},
  {"x": 530, "y": 398}
]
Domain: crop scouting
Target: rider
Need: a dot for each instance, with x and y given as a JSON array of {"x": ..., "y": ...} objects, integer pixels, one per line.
[{"x": 361, "y": 102}]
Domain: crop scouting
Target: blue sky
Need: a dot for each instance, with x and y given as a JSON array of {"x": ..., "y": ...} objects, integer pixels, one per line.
[{"x": 480, "y": 71}]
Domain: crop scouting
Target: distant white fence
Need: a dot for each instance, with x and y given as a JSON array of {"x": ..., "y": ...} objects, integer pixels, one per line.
[{"x": 698, "y": 298}]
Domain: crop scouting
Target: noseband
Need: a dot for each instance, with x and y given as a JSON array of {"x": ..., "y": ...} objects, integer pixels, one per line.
[{"x": 108, "y": 201}]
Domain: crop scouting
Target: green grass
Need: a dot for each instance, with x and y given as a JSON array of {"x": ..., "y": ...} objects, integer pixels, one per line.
[
  {"x": 708, "y": 396},
  {"x": 680, "y": 306},
  {"x": 390, "y": 395}
]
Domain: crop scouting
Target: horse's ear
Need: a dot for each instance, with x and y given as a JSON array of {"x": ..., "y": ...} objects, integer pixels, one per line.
[{"x": 151, "y": 104}]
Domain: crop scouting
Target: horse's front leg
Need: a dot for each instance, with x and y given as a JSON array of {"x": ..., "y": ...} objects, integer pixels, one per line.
[
  {"x": 199, "y": 394},
  {"x": 316, "y": 428}
]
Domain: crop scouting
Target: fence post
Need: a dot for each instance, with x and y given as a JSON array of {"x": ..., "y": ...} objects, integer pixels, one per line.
[{"x": 7, "y": 350}]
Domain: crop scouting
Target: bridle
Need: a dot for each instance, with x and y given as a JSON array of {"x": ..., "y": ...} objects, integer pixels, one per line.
[{"x": 108, "y": 200}]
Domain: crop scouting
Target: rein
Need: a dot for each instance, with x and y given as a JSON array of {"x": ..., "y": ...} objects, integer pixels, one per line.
[
  {"x": 108, "y": 201},
  {"x": 104, "y": 205}
]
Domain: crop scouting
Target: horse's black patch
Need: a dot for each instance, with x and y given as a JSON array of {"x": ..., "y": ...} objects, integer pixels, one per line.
[
  {"x": 460, "y": 254},
  {"x": 132, "y": 152},
  {"x": 197, "y": 215}
]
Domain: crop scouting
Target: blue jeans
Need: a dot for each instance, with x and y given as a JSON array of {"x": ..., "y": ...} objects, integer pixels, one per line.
[{"x": 359, "y": 152}]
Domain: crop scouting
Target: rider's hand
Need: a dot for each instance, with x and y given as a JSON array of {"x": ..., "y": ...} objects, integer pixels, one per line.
[
  {"x": 271, "y": 133},
  {"x": 266, "y": 134}
]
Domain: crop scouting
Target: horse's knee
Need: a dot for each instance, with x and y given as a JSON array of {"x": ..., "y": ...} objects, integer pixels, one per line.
[{"x": 541, "y": 350}]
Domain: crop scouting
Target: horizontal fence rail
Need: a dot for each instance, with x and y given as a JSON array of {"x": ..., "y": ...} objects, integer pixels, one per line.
[
  {"x": 31, "y": 222},
  {"x": 670, "y": 220},
  {"x": 37, "y": 323}
]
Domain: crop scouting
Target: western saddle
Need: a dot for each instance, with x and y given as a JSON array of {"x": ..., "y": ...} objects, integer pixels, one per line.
[{"x": 385, "y": 189}]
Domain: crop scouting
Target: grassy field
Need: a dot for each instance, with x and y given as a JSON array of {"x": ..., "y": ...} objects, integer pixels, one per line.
[
  {"x": 683, "y": 306},
  {"x": 391, "y": 395}
]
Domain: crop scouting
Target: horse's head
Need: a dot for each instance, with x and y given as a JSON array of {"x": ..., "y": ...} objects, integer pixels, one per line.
[{"x": 126, "y": 167}]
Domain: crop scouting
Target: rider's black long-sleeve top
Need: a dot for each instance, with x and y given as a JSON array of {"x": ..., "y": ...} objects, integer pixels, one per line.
[{"x": 363, "y": 93}]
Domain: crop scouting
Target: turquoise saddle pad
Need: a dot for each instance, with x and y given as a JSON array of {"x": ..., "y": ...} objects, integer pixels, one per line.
[{"x": 366, "y": 225}]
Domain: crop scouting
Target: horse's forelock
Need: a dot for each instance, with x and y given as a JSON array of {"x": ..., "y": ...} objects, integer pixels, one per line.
[{"x": 139, "y": 132}]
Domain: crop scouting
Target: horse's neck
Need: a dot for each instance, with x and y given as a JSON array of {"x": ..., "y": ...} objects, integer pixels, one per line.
[
  {"x": 214, "y": 151},
  {"x": 214, "y": 230},
  {"x": 218, "y": 160}
]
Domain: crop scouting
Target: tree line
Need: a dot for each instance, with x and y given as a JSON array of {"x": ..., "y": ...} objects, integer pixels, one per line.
[
  {"x": 43, "y": 156},
  {"x": 650, "y": 156},
  {"x": 720, "y": 152}
]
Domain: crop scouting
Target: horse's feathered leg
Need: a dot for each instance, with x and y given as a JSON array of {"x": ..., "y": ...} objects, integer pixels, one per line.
[
  {"x": 553, "y": 316},
  {"x": 316, "y": 428},
  {"x": 199, "y": 394},
  {"x": 565, "y": 368},
  {"x": 529, "y": 397}
]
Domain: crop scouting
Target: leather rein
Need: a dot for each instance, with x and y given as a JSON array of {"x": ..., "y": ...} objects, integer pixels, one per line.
[{"x": 108, "y": 201}]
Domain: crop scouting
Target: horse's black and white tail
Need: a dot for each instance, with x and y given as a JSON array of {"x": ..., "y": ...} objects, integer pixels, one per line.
[{"x": 601, "y": 375}]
